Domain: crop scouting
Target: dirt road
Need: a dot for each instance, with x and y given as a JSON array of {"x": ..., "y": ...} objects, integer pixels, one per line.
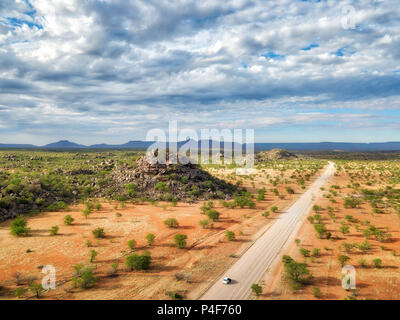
[{"x": 251, "y": 267}]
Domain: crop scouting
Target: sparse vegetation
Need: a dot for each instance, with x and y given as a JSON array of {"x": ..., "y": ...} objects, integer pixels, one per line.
[
  {"x": 256, "y": 289},
  {"x": 230, "y": 235},
  {"x": 19, "y": 227},
  {"x": 83, "y": 277},
  {"x": 54, "y": 230},
  {"x": 180, "y": 240},
  {"x": 68, "y": 220},
  {"x": 131, "y": 244},
  {"x": 150, "y": 239},
  {"x": 99, "y": 233},
  {"x": 138, "y": 262},
  {"x": 171, "y": 223}
]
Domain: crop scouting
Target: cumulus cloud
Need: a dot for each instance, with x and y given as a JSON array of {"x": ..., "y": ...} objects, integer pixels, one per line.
[{"x": 101, "y": 70}]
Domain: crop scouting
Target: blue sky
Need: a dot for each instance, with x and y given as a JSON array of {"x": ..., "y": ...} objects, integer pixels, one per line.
[{"x": 108, "y": 71}]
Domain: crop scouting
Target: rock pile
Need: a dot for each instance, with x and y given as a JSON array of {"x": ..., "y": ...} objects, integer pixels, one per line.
[
  {"x": 274, "y": 155},
  {"x": 168, "y": 181}
]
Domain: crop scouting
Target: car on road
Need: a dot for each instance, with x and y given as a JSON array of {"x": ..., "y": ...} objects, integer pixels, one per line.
[{"x": 227, "y": 280}]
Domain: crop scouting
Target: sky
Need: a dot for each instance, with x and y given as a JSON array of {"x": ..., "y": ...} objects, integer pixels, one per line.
[{"x": 102, "y": 71}]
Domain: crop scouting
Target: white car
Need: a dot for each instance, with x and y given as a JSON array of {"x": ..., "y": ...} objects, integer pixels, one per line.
[{"x": 227, "y": 280}]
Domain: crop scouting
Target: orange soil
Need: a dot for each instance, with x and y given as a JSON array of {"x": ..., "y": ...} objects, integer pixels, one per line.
[
  {"x": 372, "y": 283},
  {"x": 207, "y": 256}
]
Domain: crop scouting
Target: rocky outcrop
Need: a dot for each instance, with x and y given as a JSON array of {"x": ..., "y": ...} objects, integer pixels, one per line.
[
  {"x": 178, "y": 181},
  {"x": 107, "y": 178},
  {"x": 274, "y": 155}
]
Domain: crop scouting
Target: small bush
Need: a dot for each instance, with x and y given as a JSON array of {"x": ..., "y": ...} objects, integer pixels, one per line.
[
  {"x": 54, "y": 230},
  {"x": 316, "y": 252},
  {"x": 36, "y": 288},
  {"x": 297, "y": 273},
  {"x": 171, "y": 223},
  {"x": 256, "y": 289},
  {"x": 19, "y": 292},
  {"x": 161, "y": 186},
  {"x": 289, "y": 190},
  {"x": 99, "y": 233},
  {"x": 363, "y": 263},
  {"x": 230, "y": 235},
  {"x": 93, "y": 255},
  {"x": 343, "y": 259},
  {"x": 204, "y": 223},
  {"x": 150, "y": 239},
  {"x": 114, "y": 267},
  {"x": 68, "y": 220},
  {"x": 317, "y": 292},
  {"x": 180, "y": 240},
  {"x": 138, "y": 262},
  {"x": 19, "y": 228},
  {"x": 377, "y": 263},
  {"x": 83, "y": 277},
  {"x": 212, "y": 214},
  {"x": 131, "y": 244},
  {"x": 304, "y": 252}
]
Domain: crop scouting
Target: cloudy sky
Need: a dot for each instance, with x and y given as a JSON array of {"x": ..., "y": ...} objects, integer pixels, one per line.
[{"x": 95, "y": 71}]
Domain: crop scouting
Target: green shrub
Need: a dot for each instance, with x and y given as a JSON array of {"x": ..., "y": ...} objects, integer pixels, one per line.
[
  {"x": 289, "y": 190},
  {"x": 54, "y": 230},
  {"x": 131, "y": 244},
  {"x": 321, "y": 230},
  {"x": 36, "y": 289},
  {"x": 19, "y": 292},
  {"x": 351, "y": 202},
  {"x": 150, "y": 239},
  {"x": 138, "y": 262},
  {"x": 93, "y": 255},
  {"x": 58, "y": 206},
  {"x": 364, "y": 246},
  {"x": 180, "y": 240},
  {"x": 161, "y": 186},
  {"x": 130, "y": 190},
  {"x": 204, "y": 223},
  {"x": 256, "y": 289},
  {"x": 99, "y": 233},
  {"x": 297, "y": 273},
  {"x": 19, "y": 227},
  {"x": 68, "y": 220},
  {"x": 83, "y": 277},
  {"x": 185, "y": 180},
  {"x": 212, "y": 214},
  {"x": 230, "y": 235},
  {"x": 114, "y": 267},
  {"x": 304, "y": 252},
  {"x": 363, "y": 263},
  {"x": 377, "y": 263},
  {"x": 317, "y": 292},
  {"x": 316, "y": 252},
  {"x": 343, "y": 259},
  {"x": 344, "y": 229},
  {"x": 86, "y": 213},
  {"x": 171, "y": 223}
]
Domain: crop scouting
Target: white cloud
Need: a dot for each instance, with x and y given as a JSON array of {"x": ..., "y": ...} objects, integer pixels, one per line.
[{"x": 101, "y": 63}]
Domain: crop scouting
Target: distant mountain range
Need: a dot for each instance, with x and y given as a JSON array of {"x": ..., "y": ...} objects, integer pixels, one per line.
[{"x": 137, "y": 145}]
